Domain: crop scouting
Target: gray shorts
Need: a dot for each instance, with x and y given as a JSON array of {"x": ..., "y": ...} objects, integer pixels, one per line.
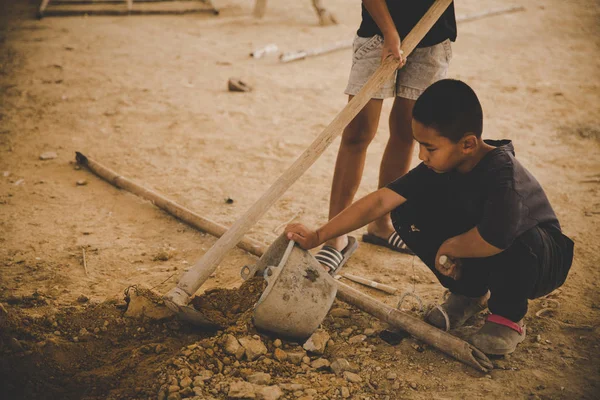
[{"x": 424, "y": 66}]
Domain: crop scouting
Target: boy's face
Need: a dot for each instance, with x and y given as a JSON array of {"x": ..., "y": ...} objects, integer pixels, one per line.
[{"x": 438, "y": 152}]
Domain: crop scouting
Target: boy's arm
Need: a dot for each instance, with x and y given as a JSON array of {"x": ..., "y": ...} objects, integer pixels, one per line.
[
  {"x": 467, "y": 245},
  {"x": 360, "y": 213},
  {"x": 391, "y": 39}
]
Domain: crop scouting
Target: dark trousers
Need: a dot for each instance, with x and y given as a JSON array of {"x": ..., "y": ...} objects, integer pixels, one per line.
[{"x": 535, "y": 264}]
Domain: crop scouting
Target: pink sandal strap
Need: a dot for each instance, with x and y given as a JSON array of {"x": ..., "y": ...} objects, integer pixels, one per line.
[{"x": 500, "y": 320}]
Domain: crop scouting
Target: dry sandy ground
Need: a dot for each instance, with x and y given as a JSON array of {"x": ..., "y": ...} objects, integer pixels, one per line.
[{"x": 147, "y": 97}]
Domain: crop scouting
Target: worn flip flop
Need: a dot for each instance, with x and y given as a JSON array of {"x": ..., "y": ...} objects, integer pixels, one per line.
[
  {"x": 334, "y": 259},
  {"x": 393, "y": 242},
  {"x": 454, "y": 312},
  {"x": 499, "y": 336}
]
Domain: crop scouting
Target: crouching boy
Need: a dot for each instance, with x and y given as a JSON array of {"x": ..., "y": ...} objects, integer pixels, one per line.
[{"x": 471, "y": 201}]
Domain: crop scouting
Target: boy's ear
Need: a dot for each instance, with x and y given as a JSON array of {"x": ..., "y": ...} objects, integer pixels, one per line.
[{"x": 469, "y": 142}]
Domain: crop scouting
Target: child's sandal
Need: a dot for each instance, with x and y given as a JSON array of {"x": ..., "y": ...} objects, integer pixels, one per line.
[{"x": 499, "y": 335}]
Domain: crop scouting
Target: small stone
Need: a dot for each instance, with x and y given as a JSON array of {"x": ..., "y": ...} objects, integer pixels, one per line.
[
  {"x": 280, "y": 355},
  {"x": 369, "y": 332},
  {"x": 174, "y": 396},
  {"x": 340, "y": 365},
  {"x": 391, "y": 376},
  {"x": 413, "y": 385},
  {"x": 277, "y": 343},
  {"x": 48, "y": 155},
  {"x": 241, "y": 390},
  {"x": 345, "y": 392},
  {"x": 306, "y": 360},
  {"x": 357, "y": 339},
  {"x": 538, "y": 338},
  {"x": 186, "y": 392},
  {"x": 204, "y": 375},
  {"x": 268, "y": 392},
  {"x": 81, "y": 182},
  {"x": 231, "y": 345},
  {"x": 186, "y": 382},
  {"x": 346, "y": 332},
  {"x": 260, "y": 378},
  {"x": 295, "y": 358},
  {"x": 396, "y": 385},
  {"x": 352, "y": 377},
  {"x": 83, "y": 299},
  {"x": 174, "y": 388},
  {"x": 254, "y": 348},
  {"x": 320, "y": 363},
  {"x": 317, "y": 342},
  {"x": 340, "y": 313},
  {"x": 292, "y": 387}
]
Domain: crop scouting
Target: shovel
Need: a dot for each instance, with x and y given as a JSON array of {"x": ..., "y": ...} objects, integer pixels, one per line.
[{"x": 178, "y": 298}]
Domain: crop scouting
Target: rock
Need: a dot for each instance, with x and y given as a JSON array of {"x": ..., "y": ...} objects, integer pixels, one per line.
[
  {"x": 280, "y": 355},
  {"x": 185, "y": 382},
  {"x": 237, "y": 85},
  {"x": 317, "y": 342},
  {"x": 141, "y": 306},
  {"x": 198, "y": 391},
  {"x": 340, "y": 313},
  {"x": 81, "y": 182},
  {"x": 277, "y": 343},
  {"x": 260, "y": 378},
  {"x": 352, "y": 377},
  {"x": 174, "y": 396},
  {"x": 186, "y": 392},
  {"x": 231, "y": 345},
  {"x": 292, "y": 387},
  {"x": 203, "y": 376},
  {"x": 369, "y": 332},
  {"x": 345, "y": 392},
  {"x": 268, "y": 392},
  {"x": 413, "y": 385},
  {"x": 357, "y": 339},
  {"x": 83, "y": 299},
  {"x": 306, "y": 360},
  {"x": 320, "y": 363},
  {"x": 346, "y": 332},
  {"x": 48, "y": 155},
  {"x": 174, "y": 388},
  {"x": 391, "y": 376},
  {"x": 254, "y": 348},
  {"x": 341, "y": 365},
  {"x": 296, "y": 358},
  {"x": 241, "y": 390},
  {"x": 311, "y": 392}
]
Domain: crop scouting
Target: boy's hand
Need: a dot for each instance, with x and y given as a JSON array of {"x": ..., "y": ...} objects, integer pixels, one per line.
[
  {"x": 306, "y": 238},
  {"x": 391, "y": 46},
  {"x": 446, "y": 265}
]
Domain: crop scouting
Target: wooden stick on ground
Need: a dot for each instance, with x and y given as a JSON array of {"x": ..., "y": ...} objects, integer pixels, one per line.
[
  {"x": 178, "y": 211},
  {"x": 84, "y": 261},
  {"x": 368, "y": 282}
]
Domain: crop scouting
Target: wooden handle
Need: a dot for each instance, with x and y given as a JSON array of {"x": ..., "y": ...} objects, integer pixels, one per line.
[{"x": 191, "y": 281}]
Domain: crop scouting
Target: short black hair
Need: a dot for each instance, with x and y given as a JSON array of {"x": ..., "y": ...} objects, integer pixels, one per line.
[{"x": 452, "y": 108}]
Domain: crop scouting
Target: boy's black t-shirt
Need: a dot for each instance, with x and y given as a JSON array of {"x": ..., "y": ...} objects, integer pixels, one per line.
[
  {"x": 498, "y": 196},
  {"x": 405, "y": 15}
]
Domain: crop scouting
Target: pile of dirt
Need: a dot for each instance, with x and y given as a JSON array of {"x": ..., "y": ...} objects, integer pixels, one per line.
[{"x": 226, "y": 306}]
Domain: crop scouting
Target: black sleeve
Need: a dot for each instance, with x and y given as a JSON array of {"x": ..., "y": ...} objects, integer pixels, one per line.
[
  {"x": 503, "y": 209},
  {"x": 412, "y": 184}
]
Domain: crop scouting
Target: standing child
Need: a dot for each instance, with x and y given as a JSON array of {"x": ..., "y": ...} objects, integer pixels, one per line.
[
  {"x": 385, "y": 23},
  {"x": 472, "y": 201}
]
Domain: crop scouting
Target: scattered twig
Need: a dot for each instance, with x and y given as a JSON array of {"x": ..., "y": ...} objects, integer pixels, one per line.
[
  {"x": 84, "y": 261},
  {"x": 155, "y": 286},
  {"x": 287, "y": 222}
]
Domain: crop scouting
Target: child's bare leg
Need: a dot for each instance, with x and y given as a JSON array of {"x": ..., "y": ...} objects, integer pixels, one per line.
[
  {"x": 396, "y": 158},
  {"x": 350, "y": 162}
]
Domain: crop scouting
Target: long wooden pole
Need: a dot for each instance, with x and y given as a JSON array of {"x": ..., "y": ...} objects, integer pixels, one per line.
[
  {"x": 176, "y": 210},
  {"x": 437, "y": 338},
  {"x": 191, "y": 281}
]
